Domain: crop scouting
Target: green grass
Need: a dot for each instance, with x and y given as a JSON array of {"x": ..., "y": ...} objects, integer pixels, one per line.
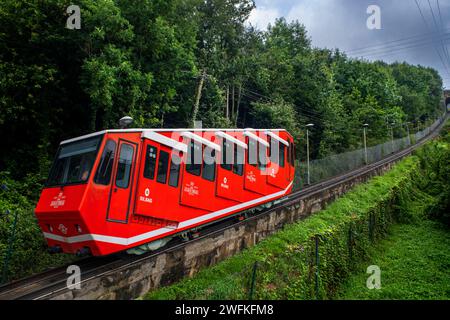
[
  {"x": 414, "y": 262},
  {"x": 286, "y": 259}
]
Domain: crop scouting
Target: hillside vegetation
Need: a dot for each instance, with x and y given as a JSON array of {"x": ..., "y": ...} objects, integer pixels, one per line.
[{"x": 313, "y": 258}]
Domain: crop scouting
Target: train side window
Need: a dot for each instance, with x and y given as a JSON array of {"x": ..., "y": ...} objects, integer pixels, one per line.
[
  {"x": 124, "y": 166},
  {"x": 209, "y": 170},
  {"x": 104, "y": 170},
  {"x": 273, "y": 153},
  {"x": 281, "y": 153},
  {"x": 191, "y": 166},
  {"x": 163, "y": 165},
  {"x": 150, "y": 162},
  {"x": 252, "y": 152},
  {"x": 174, "y": 171},
  {"x": 239, "y": 158},
  {"x": 262, "y": 158},
  {"x": 225, "y": 149}
]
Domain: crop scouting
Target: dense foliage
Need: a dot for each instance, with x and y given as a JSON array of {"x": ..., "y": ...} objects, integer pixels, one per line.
[
  {"x": 21, "y": 242},
  {"x": 170, "y": 62},
  {"x": 435, "y": 163}
]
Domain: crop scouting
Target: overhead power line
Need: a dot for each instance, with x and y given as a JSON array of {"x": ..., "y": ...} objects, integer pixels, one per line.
[
  {"x": 312, "y": 112},
  {"x": 446, "y": 57},
  {"x": 426, "y": 24},
  {"x": 442, "y": 27},
  {"x": 395, "y": 43},
  {"x": 389, "y": 51},
  {"x": 257, "y": 96}
]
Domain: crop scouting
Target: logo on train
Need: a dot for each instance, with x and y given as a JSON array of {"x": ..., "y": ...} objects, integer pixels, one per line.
[
  {"x": 191, "y": 189},
  {"x": 225, "y": 184},
  {"x": 146, "y": 198},
  {"x": 251, "y": 177},
  {"x": 58, "y": 201}
]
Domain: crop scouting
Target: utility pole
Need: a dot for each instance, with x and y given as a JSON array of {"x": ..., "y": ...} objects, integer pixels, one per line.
[
  {"x": 198, "y": 96},
  {"x": 307, "y": 151},
  {"x": 365, "y": 142}
]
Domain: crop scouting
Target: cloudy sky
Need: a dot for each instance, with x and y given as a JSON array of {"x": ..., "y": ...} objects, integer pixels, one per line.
[{"x": 404, "y": 35}]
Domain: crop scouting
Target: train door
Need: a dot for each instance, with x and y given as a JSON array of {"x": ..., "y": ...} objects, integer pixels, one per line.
[
  {"x": 198, "y": 186},
  {"x": 279, "y": 168},
  {"x": 256, "y": 165},
  {"x": 230, "y": 175},
  {"x": 121, "y": 188},
  {"x": 158, "y": 192}
]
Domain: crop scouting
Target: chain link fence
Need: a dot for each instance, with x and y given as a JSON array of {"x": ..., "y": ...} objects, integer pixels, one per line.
[
  {"x": 307, "y": 270},
  {"x": 322, "y": 169}
]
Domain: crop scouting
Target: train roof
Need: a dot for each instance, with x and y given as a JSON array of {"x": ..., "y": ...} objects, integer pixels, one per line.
[{"x": 162, "y": 130}]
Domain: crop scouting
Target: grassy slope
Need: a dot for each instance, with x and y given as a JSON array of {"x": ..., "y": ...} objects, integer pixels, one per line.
[
  {"x": 414, "y": 262},
  {"x": 286, "y": 255}
]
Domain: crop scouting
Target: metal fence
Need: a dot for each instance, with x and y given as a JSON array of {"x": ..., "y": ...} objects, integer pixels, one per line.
[{"x": 322, "y": 169}]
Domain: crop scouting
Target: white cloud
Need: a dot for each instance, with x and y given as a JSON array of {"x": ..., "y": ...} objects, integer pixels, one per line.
[
  {"x": 261, "y": 16},
  {"x": 329, "y": 22}
]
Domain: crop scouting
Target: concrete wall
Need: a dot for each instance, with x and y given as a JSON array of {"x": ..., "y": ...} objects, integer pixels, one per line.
[{"x": 135, "y": 280}]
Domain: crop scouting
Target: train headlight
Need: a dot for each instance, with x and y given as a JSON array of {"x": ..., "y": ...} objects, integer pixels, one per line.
[
  {"x": 78, "y": 227},
  {"x": 50, "y": 228}
]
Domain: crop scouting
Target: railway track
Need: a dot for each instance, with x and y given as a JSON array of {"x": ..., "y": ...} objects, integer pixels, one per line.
[{"x": 53, "y": 282}]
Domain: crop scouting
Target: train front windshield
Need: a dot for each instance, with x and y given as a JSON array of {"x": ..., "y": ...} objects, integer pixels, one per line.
[{"x": 74, "y": 162}]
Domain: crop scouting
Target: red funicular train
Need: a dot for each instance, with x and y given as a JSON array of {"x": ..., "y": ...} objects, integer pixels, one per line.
[{"x": 135, "y": 189}]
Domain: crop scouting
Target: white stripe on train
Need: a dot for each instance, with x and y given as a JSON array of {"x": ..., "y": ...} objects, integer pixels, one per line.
[{"x": 161, "y": 231}]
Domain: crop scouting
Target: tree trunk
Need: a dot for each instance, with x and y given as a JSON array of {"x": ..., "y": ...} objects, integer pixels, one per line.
[
  {"x": 228, "y": 103},
  {"x": 238, "y": 104},
  {"x": 198, "y": 97},
  {"x": 232, "y": 105}
]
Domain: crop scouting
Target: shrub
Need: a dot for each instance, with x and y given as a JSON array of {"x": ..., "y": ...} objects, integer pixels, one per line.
[{"x": 28, "y": 253}]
